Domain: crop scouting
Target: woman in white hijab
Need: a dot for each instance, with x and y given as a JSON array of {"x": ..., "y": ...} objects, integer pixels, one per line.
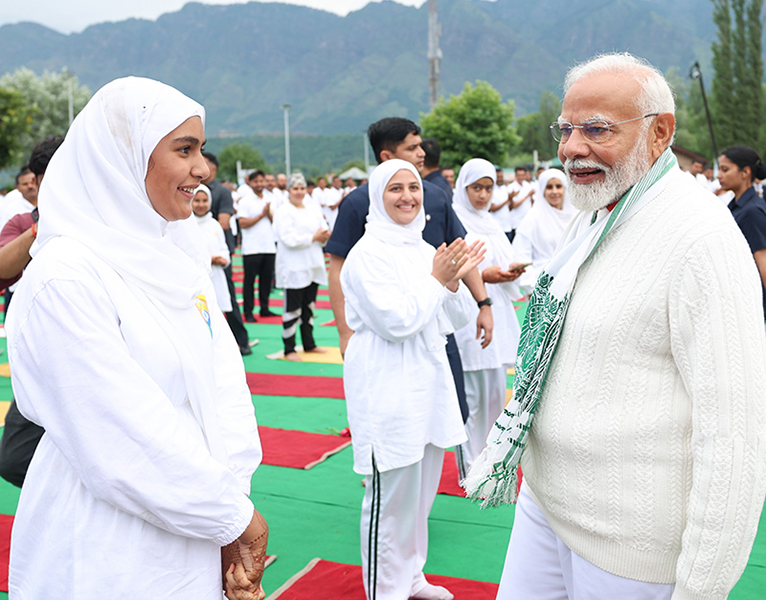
[
  {"x": 485, "y": 366},
  {"x": 402, "y": 299},
  {"x": 540, "y": 231},
  {"x": 118, "y": 349},
  {"x": 214, "y": 239}
]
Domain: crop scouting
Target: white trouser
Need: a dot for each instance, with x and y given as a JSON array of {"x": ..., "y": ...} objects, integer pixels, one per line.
[
  {"x": 539, "y": 566},
  {"x": 394, "y": 528},
  {"x": 485, "y": 394}
]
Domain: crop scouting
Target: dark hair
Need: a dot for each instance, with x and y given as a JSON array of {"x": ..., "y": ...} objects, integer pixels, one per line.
[
  {"x": 310, "y": 182},
  {"x": 23, "y": 171},
  {"x": 211, "y": 157},
  {"x": 255, "y": 174},
  {"x": 388, "y": 133},
  {"x": 433, "y": 152},
  {"x": 698, "y": 160},
  {"x": 707, "y": 166},
  {"x": 745, "y": 156},
  {"x": 42, "y": 154},
  {"x": 522, "y": 168}
]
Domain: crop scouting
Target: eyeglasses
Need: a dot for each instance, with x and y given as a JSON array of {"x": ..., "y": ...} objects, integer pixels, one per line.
[{"x": 597, "y": 132}]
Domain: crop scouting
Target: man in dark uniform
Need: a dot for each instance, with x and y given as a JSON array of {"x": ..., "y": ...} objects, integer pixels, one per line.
[
  {"x": 431, "y": 171},
  {"x": 400, "y": 138},
  {"x": 222, "y": 207}
]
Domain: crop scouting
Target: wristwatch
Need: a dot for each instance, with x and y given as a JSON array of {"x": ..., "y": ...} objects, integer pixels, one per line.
[{"x": 486, "y": 302}]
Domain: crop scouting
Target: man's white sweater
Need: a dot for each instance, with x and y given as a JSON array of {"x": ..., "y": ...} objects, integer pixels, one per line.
[{"x": 648, "y": 450}]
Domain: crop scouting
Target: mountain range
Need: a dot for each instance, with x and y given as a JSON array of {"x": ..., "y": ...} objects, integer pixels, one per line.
[{"x": 243, "y": 61}]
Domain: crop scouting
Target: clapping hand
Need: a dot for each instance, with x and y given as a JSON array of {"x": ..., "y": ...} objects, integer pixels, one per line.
[{"x": 453, "y": 262}]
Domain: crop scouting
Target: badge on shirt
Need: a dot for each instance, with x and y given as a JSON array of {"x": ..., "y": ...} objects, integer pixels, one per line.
[{"x": 202, "y": 308}]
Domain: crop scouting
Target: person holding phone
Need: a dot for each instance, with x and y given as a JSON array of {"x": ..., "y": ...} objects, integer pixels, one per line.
[{"x": 485, "y": 366}]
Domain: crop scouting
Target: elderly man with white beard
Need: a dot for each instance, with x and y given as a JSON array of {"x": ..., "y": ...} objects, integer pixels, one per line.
[{"x": 642, "y": 362}]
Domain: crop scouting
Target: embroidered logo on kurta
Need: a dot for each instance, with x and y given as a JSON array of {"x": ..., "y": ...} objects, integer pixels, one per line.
[{"x": 202, "y": 308}]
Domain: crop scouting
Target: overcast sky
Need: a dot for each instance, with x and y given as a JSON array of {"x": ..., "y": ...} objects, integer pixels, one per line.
[{"x": 69, "y": 16}]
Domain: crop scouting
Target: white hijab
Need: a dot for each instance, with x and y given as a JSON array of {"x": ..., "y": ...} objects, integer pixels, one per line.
[
  {"x": 208, "y": 216},
  {"x": 544, "y": 226},
  {"x": 94, "y": 192},
  {"x": 480, "y": 222},
  {"x": 379, "y": 224}
]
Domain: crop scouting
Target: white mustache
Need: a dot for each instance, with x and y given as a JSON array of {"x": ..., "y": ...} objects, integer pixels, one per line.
[{"x": 570, "y": 164}]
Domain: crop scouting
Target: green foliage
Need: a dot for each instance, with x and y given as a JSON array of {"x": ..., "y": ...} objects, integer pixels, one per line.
[
  {"x": 359, "y": 164},
  {"x": 48, "y": 96},
  {"x": 737, "y": 92},
  {"x": 692, "y": 130},
  {"x": 15, "y": 122},
  {"x": 474, "y": 124},
  {"x": 534, "y": 129},
  {"x": 248, "y": 156}
]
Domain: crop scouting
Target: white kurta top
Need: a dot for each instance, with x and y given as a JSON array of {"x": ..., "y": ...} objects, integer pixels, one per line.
[
  {"x": 518, "y": 213},
  {"x": 258, "y": 238},
  {"x": 502, "y": 351},
  {"x": 300, "y": 261},
  {"x": 212, "y": 232},
  {"x": 503, "y": 215},
  {"x": 122, "y": 499},
  {"x": 399, "y": 388}
]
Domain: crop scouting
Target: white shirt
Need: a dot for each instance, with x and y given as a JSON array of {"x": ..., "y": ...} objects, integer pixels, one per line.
[
  {"x": 258, "y": 238},
  {"x": 503, "y": 215},
  {"x": 400, "y": 393},
  {"x": 131, "y": 499},
  {"x": 215, "y": 240},
  {"x": 300, "y": 261},
  {"x": 333, "y": 196},
  {"x": 517, "y": 214}
]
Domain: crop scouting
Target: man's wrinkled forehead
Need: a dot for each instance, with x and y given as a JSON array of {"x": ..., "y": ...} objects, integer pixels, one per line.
[{"x": 602, "y": 97}]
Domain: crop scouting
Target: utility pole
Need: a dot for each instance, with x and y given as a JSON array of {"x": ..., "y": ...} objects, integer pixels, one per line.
[
  {"x": 434, "y": 53},
  {"x": 286, "y": 108},
  {"x": 696, "y": 73}
]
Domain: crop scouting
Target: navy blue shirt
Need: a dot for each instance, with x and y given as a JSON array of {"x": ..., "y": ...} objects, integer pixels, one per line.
[
  {"x": 750, "y": 214},
  {"x": 222, "y": 203},
  {"x": 442, "y": 224},
  {"x": 437, "y": 178}
]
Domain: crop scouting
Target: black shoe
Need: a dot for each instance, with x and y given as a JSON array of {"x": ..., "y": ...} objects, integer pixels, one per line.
[
  {"x": 268, "y": 313},
  {"x": 250, "y": 319},
  {"x": 245, "y": 350}
]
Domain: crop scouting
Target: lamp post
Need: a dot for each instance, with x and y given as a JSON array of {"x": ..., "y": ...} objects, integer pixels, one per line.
[
  {"x": 286, "y": 108},
  {"x": 366, "y": 153},
  {"x": 696, "y": 73}
]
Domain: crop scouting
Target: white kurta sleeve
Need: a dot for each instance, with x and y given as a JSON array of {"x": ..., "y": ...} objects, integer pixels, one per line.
[
  {"x": 459, "y": 306},
  {"x": 235, "y": 405},
  {"x": 222, "y": 249},
  {"x": 717, "y": 341},
  {"x": 287, "y": 230},
  {"x": 128, "y": 444},
  {"x": 373, "y": 295}
]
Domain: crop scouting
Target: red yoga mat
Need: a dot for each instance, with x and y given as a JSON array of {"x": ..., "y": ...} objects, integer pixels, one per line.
[
  {"x": 303, "y": 386},
  {"x": 449, "y": 484},
  {"x": 298, "y": 449},
  {"x": 325, "y": 580},
  {"x": 6, "y": 524}
]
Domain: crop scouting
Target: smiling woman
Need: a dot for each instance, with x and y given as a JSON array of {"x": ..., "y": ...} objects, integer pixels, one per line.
[{"x": 118, "y": 350}]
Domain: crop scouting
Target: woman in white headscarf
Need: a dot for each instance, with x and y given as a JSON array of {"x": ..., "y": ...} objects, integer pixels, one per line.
[
  {"x": 214, "y": 239},
  {"x": 540, "y": 231},
  {"x": 485, "y": 366},
  {"x": 402, "y": 298},
  {"x": 118, "y": 349}
]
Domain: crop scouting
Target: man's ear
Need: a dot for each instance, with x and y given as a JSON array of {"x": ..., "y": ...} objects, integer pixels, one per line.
[
  {"x": 386, "y": 155},
  {"x": 662, "y": 132}
]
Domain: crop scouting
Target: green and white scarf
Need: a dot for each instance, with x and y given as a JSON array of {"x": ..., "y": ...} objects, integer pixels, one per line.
[{"x": 493, "y": 476}]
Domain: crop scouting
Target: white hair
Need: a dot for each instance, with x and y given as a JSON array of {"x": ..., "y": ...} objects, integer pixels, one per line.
[
  {"x": 296, "y": 179},
  {"x": 657, "y": 96}
]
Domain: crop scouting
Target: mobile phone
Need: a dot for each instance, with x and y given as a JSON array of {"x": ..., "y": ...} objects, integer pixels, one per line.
[{"x": 520, "y": 267}]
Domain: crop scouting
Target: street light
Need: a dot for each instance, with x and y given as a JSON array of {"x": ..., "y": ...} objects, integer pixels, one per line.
[
  {"x": 286, "y": 108},
  {"x": 696, "y": 73}
]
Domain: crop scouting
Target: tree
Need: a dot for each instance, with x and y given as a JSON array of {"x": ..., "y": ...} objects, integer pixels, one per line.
[
  {"x": 738, "y": 71},
  {"x": 474, "y": 124},
  {"x": 534, "y": 129},
  {"x": 248, "y": 156},
  {"x": 48, "y": 96},
  {"x": 16, "y": 119}
]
